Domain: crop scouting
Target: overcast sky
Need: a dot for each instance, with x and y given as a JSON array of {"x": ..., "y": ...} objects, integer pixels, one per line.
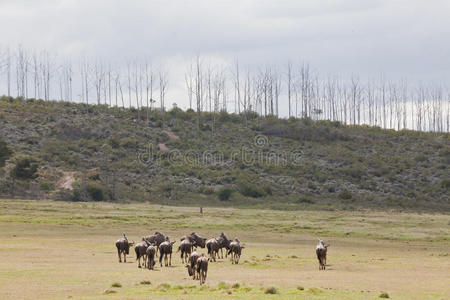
[{"x": 401, "y": 38}]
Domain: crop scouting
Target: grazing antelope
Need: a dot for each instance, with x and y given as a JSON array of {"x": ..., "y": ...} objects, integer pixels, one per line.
[
  {"x": 156, "y": 239},
  {"x": 165, "y": 249},
  {"x": 224, "y": 242},
  {"x": 195, "y": 239},
  {"x": 235, "y": 250},
  {"x": 141, "y": 249},
  {"x": 321, "y": 251},
  {"x": 213, "y": 247},
  {"x": 202, "y": 268},
  {"x": 123, "y": 247},
  {"x": 191, "y": 266},
  {"x": 185, "y": 247},
  {"x": 150, "y": 253}
]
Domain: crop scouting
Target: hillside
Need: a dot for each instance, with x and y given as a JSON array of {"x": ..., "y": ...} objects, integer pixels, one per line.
[{"x": 77, "y": 152}]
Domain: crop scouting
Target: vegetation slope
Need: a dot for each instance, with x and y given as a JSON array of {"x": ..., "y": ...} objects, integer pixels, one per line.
[{"x": 79, "y": 152}]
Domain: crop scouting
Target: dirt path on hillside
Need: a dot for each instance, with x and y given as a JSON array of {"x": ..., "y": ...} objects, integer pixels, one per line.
[
  {"x": 163, "y": 147},
  {"x": 171, "y": 136},
  {"x": 67, "y": 181}
]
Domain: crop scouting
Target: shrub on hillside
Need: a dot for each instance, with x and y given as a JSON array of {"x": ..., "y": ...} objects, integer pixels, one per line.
[
  {"x": 95, "y": 192},
  {"x": 25, "y": 168},
  {"x": 5, "y": 152},
  {"x": 224, "y": 193},
  {"x": 206, "y": 190},
  {"x": 46, "y": 186},
  {"x": 305, "y": 200},
  {"x": 445, "y": 183},
  {"x": 355, "y": 171},
  {"x": 345, "y": 195},
  {"x": 251, "y": 190}
]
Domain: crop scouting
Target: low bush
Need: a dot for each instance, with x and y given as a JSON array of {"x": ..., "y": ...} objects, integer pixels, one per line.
[
  {"x": 251, "y": 190},
  {"x": 46, "y": 186},
  {"x": 224, "y": 193},
  {"x": 305, "y": 200},
  {"x": 25, "y": 168},
  {"x": 271, "y": 290},
  {"x": 345, "y": 194},
  {"x": 5, "y": 152},
  {"x": 445, "y": 183},
  {"x": 95, "y": 192}
]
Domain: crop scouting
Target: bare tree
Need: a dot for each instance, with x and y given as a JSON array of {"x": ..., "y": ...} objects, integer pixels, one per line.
[
  {"x": 199, "y": 93},
  {"x": 163, "y": 82},
  {"x": 289, "y": 86},
  {"x": 305, "y": 88},
  {"x": 237, "y": 87},
  {"x": 149, "y": 79}
]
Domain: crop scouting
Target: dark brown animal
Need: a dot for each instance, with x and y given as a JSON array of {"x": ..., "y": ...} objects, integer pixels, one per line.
[
  {"x": 224, "y": 242},
  {"x": 156, "y": 239},
  {"x": 123, "y": 247},
  {"x": 213, "y": 247},
  {"x": 185, "y": 247},
  {"x": 191, "y": 266},
  {"x": 141, "y": 250},
  {"x": 195, "y": 239},
  {"x": 321, "y": 252},
  {"x": 235, "y": 250},
  {"x": 150, "y": 253},
  {"x": 202, "y": 268},
  {"x": 165, "y": 249}
]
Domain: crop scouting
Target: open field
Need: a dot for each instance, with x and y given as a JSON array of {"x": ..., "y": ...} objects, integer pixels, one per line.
[{"x": 54, "y": 250}]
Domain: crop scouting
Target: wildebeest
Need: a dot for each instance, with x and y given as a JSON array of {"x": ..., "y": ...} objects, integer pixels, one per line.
[
  {"x": 196, "y": 240},
  {"x": 165, "y": 249},
  {"x": 321, "y": 251},
  {"x": 150, "y": 253},
  {"x": 123, "y": 247},
  {"x": 191, "y": 266},
  {"x": 235, "y": 250},
  {"x": 224, "y": 242},
  {"x": 141, "y": 249},
  {"x": 202, "y": 268},
  {"x": 156, "y": 239},
  {"x": 213, "y": 247},
  {"x": 185, "y": 247}
]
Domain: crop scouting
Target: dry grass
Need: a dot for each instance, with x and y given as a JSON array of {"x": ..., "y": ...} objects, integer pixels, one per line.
[{"x": 59, "y": 256}]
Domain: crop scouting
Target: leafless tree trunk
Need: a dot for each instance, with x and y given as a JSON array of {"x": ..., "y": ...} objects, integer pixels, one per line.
[
  {"x": 289, "y": 86},
  {"x": 163, "y": 82},
  {"x": 198, "y": 90}
]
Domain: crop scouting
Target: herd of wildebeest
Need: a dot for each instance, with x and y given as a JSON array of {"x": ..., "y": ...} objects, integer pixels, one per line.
[{"x": 197, "y": 264}]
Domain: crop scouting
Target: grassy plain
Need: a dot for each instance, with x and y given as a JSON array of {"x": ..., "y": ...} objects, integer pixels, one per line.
[{"x": 54, "y": 250}]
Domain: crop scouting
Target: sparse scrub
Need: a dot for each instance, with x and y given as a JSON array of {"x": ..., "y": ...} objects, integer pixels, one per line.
[
  {"x": 271, "y": 290},
  {"x": 369, "y": 162},
  {"x": 314, "y": 291},
  {"x": 345, "y": 195},
  {"x": 225, "y": 193},
  {"x": 223, "y": 286}
]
